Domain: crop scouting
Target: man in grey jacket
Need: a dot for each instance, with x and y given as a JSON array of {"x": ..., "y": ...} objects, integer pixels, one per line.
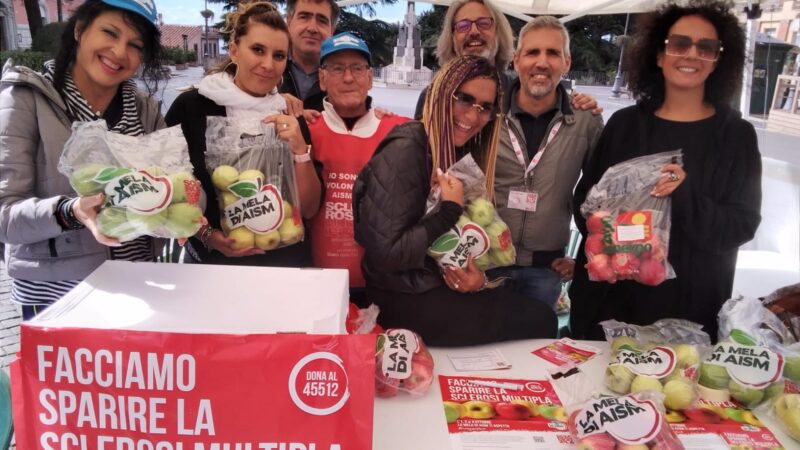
[{"x": 544, "y": 144}]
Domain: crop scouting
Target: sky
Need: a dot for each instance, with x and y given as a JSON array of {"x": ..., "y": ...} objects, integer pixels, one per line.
[{"x": 187, "y": 12}]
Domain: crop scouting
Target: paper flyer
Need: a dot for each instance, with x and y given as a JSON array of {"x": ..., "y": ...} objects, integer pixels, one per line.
[
  {"x": 512, "y": 414},
  {"x": 721, "y": 426},
  {"x": 565, "y": 350}
]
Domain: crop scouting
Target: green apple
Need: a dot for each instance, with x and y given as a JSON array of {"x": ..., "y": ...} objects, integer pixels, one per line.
[
  {"x": 452, "y": 411},
  {"x": 714, "y": 376},
  {"x": 243, "y": 238},
  {"x": 183, "y": 220},
  {"x": 687, "y": 355},
  {"x": 744, "y": 395},
  {"x": 290, "y": 232},
  {"x": 499, "y": 235},
  {"x": 82, "y": 180},
  {"x": 733, "y": 414},
  {"x": 481, "y": 211},
  {"x": 787, "y": 408},
  {"x": 228, "y": 198},
  {"x": 155, "y": 171},
  {"x": 113, "y": 222},
  {"x": 774, "y": 390},
  {"x": 618, "y": 378},
  {"x": 502, "y": 257},
  {"x": 791, "y": 368},
  {"x": 178, "y": 180},
  {"x": 483, "y": 261},
  {"x": 646, "y": 383},
  {"x": 147, "y": 223},
  {"x": 463, "y": 220},
  {"x": 269, "y": 240},
  {"x": 288, "y": 210},
  {"x": 624, "y": 342},
  {"x": 251, "y": 175},
  {"x": 679, "y": 394},
  {"x": 224, "y": 176}
]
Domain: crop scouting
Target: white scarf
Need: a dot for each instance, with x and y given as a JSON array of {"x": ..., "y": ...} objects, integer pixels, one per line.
[{"x": 221, "y": 89}]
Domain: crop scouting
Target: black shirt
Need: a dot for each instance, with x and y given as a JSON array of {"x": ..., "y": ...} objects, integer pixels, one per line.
[{"x": 534, "y": 128}]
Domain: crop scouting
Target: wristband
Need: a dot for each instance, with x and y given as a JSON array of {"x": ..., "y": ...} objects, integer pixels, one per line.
[
  {"x": 304, "y": 157},
  {"x": 205, "y": 234},
  {"x": 65, "y": 217}
]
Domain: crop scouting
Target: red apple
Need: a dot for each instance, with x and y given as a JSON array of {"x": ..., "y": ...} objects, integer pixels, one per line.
[
  {"x": 666, "y": 439},
  {"x": 624, "y": 264},
  {"x": 594, "y": 244},
  {"x": 599, "y": 441},
  {"x": 512, "y": 411},
  {"x": 420, "y": 379},
  {"x": 599, "y": 269},
  {"x": 657, "y": 250},
  {"x": 385, "y": 387},
  {"x": 595, "y": 222},
  {"x": 702, "y": 415},
  {"x": 651, "y": 272}
]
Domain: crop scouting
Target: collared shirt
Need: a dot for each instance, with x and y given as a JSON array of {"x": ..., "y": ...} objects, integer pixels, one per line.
[
  {"x": 304, "y": 81},
  {"x": 534, "y": 128}
]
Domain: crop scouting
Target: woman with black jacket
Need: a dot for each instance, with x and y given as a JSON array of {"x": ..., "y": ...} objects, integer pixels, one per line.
[
  {"x": 690, "y": 64},
  {"x": 452, "y": 307}
]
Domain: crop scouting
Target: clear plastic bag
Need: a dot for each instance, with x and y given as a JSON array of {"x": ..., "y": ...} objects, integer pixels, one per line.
[
  {"x": 756, "y": 359},
  {"x": 147, "y": 180},
  {"x": 255, "y": 182},
  {"x": 597, "y": 421},
  {"x": 663, "y": 357},
  {"x": 480, "y": 232},
  {"x": 402, "y": 363},
  {"x": 628, "y": 229}
]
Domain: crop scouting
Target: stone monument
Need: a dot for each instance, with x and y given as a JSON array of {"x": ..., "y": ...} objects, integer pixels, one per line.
[{"x": 407, "y": 67}]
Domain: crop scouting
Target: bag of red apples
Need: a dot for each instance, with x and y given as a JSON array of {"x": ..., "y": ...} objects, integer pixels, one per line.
[
  {"x": 595, "y": 421},
  {"x": 479, "y": 232},
  {"x": 402, "y": 363},
  {"x": 627, "y": 228}
]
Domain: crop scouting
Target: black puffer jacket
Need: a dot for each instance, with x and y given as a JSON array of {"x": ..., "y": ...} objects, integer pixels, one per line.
[{"x": 389, "y": 204}]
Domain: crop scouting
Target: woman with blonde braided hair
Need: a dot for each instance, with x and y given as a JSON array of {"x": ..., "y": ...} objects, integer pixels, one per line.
[
  {"x": 245, "y": 88},
  {"x": 459, "y": 118}
]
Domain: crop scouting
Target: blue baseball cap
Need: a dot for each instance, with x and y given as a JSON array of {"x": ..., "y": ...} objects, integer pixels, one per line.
[
  {"x": 145, "y": 8},
  {"x": 344, "y": 41}
]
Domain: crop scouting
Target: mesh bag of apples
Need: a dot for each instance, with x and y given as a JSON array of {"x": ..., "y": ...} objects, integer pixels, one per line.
[
  {"x": 479, "y": 232},
  {"x": 147, "y": 180},
  {"x": 756, "y": 363},
  {"x": 254, "y": 179},
  {"x": 633, "y": 421},
  {"x": 663, "y": 357},
  {"x": 402, "y": 363},
  {"x": 627, "y": 228}
]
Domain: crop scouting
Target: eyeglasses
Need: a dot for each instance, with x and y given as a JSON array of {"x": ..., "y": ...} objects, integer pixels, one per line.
[
  {"x": 464, "y": 25},
  {"x": 465, "y": 102},
  {"x": 356, "y": 69},
  {"x": 707, "y": 49}
]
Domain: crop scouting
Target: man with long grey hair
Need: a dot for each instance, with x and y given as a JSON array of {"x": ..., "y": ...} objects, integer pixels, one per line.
[{"x": 474, "y": 27}]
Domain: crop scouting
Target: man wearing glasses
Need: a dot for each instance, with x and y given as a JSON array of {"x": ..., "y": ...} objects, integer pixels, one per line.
[
  {"x": 474, "y": 27},
  {"x": 310, "y": 22},
  {"x": 544, "y": 144},
  {"x": 343, "y": 140}
]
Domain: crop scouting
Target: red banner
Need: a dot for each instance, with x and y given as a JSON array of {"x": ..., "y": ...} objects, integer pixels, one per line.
[{"x": 93, "y": 389}]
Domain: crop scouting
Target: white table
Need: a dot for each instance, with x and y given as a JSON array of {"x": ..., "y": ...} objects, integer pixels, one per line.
[{"x": 404, "y": 422}]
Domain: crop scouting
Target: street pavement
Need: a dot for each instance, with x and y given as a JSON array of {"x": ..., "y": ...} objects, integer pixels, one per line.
[{"x": 770, "y": 261}]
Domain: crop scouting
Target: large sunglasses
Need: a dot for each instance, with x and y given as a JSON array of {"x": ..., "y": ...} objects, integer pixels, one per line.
[
  {"x": 679, "y": 45},
  {"x": 466, "y": 102},
  {"x": 464, "y": 25}
]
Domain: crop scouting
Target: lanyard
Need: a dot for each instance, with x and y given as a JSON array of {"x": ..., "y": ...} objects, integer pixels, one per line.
[{"x": 538, "y": 156}]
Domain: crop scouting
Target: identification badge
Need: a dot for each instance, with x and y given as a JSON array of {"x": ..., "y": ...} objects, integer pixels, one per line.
[{"x": 522, "y": 199}]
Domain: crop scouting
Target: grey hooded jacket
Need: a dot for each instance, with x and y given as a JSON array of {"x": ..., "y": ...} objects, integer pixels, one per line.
[{"x": 33, "y": 129}]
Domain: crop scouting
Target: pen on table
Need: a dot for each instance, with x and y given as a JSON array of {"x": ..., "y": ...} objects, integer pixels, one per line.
[{"x": 497, "y": 384}]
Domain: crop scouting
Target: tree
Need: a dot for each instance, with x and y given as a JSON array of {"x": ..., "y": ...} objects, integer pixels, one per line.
[
  {"x": 430, "y": 25},
  {"x": 593, "y": 46},
  {"x": 379, "y": 35},
  {"x": 34, "y": 16}
]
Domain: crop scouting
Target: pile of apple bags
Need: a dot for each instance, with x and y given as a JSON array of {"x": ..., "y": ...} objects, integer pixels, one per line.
[
  {"x": 479, "y": 232},
  {"x": 662, "y": 357},
  {"x": 756, "y": 363},
  {"x": 147, "y": 180},
  {"x": 627, "y": 228},
  {"x": 253, "y": 175},
  {"x": 402, "y": 363}
]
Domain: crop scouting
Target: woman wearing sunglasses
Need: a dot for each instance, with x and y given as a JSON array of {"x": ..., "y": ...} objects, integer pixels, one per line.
[
  {"x": 454, "y": 307},
  {"x": 688, "y": 63}
]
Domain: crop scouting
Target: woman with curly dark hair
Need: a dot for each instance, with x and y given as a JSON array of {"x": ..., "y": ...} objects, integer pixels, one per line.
[{"x": 687, "y": 65}]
